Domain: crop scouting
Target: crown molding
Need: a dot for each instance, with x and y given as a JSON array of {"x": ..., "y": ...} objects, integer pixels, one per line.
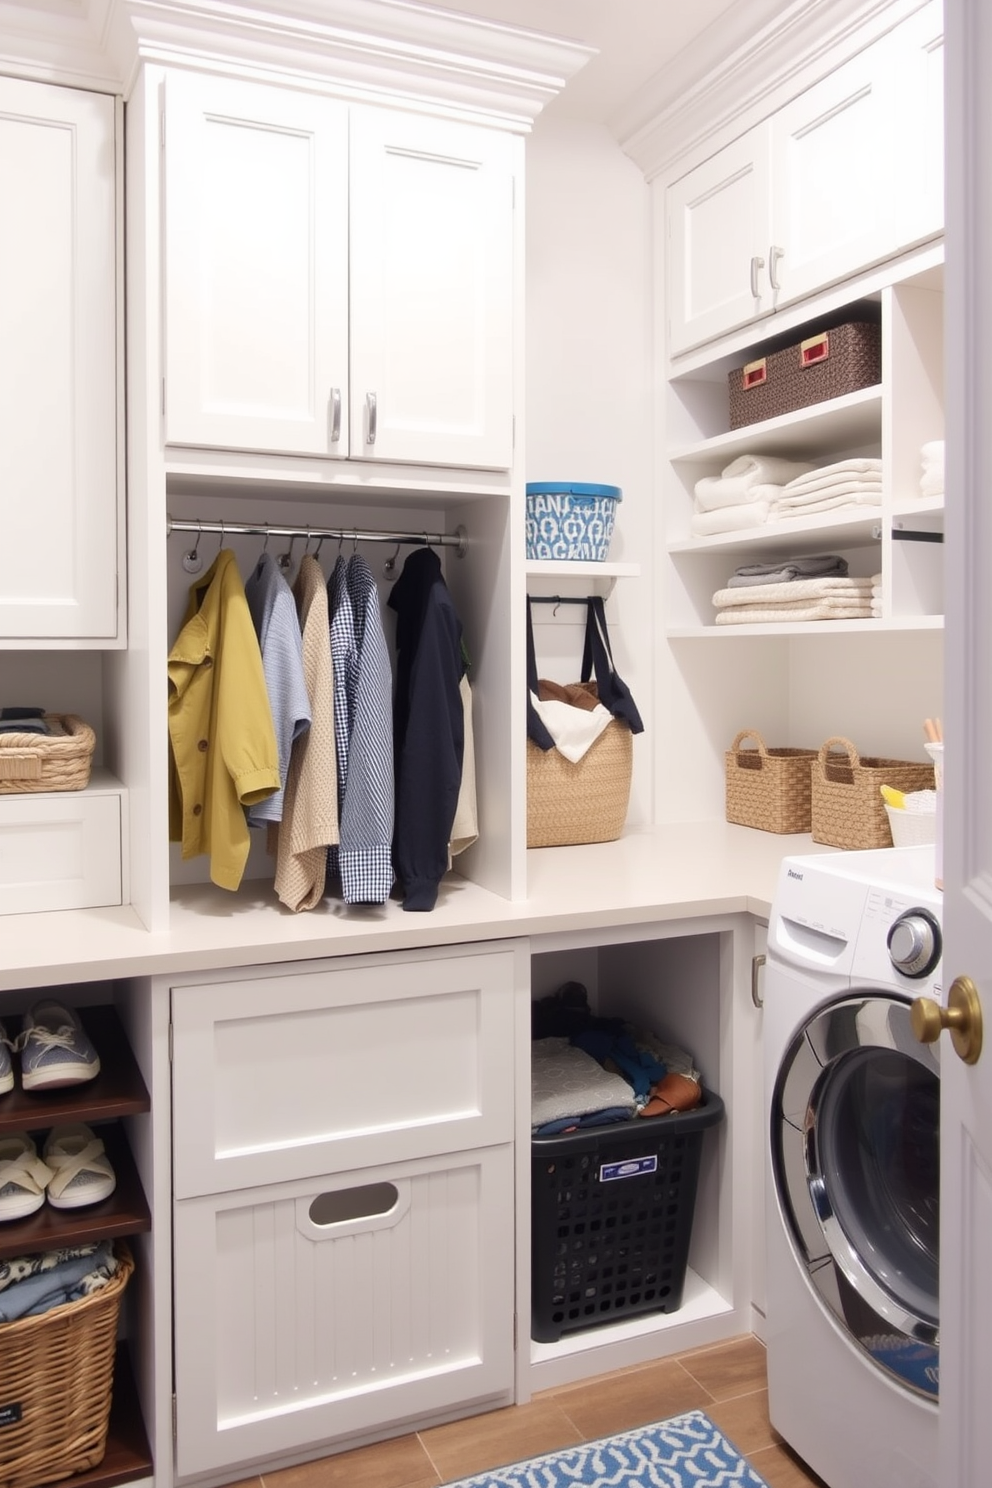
[
  {"x": 365, "y": 48},
  {"x": 738, "y": 71}
]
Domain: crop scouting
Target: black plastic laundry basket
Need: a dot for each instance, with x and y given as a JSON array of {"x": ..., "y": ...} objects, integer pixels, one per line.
[{"x": 611, "y": 1219}]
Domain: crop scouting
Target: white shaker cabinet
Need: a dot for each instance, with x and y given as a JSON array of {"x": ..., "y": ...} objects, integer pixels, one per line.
[
  {"x": 338, "y": 280},
  {"x": 719, "y": 231},
  {"x": 58, "y": 365},
  {"x": 841, "y": 177}
]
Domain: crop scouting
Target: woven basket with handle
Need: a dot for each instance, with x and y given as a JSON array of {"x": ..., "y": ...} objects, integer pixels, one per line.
[
  {"x": 39, "y": 762},
  {"x": 585, "y": 802},
  {"x": 848, "y": 810},
  {"x": 58, "y": 1369},
  {"x": 768, "y": 788}
]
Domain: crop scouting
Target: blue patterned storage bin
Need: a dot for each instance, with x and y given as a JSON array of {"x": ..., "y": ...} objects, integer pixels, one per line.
[{"x": 565, "y": 520}]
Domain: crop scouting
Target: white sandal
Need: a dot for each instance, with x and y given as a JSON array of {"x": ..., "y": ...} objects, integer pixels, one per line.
[
  {"x": 23, "y": 1177},
  {"x": 81, "y": 1171}
]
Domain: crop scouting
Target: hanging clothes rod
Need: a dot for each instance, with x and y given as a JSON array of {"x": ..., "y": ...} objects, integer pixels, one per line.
[
  {"x": 558, "y": 599},
  {"x": 457, "y": 539}
]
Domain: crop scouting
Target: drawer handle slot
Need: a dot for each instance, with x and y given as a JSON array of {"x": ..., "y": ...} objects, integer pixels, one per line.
[
  {"x": 347, "y": 1204},
  {"x": 814, "y": 350},
  {"x": 755, "y": 373}
]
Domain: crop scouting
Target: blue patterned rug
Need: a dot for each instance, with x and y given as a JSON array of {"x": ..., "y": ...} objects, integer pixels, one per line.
[{"x": 686, "y": 1452}]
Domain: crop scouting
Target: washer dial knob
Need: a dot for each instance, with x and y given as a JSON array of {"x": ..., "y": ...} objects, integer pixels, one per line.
[{"x": 914, "y": 942}]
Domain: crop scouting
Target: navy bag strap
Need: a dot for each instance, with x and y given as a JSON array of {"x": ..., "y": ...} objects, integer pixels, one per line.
[
  {"x": 535, "y": 728},
  {"x": 597, "y": 659}
]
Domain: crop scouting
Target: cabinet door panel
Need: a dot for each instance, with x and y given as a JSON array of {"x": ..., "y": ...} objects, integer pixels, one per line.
[
  {"x": 291, "y": 1073},
  {"x": 832, "y": 172},
  {"x": 256, "y": 267},
  {"x": 918, "y": 58},
  {"x": 292, "y": 1330},
  {"x": 58, "y": 389},
  {"x": 717, "y": 223},
  {"x": 431, "y": 291}
]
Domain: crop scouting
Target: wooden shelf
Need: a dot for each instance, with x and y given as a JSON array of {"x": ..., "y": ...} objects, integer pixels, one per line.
[
  {"x": 853, "y": 420},
  {"x": 559, "y": 568},
  {"x": 125, "y": 1212},
  {"x": 118, "y": 1089}
]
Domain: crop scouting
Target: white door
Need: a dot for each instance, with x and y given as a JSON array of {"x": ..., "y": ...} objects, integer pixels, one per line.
[
  {"x": 918, "y": 58},
  {"x": 431, "y": 291},
  {"x": 256, "y": 267},
  {"x": 718, "y": 234},
  {"x": 966, "y": 1091},
  {"x": 58, "y": 379},
  {"x": 832, "y": 166}
]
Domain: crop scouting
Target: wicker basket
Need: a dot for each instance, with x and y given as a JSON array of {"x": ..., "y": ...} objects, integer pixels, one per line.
[
  {"x": 34, "y": 762},
  {"x": 57, "y": 1369},
  {"x": 770, "y": 789},
  {"x": 826, "y": 365},
  {"x": 567, "y": 803},
  {"x": 848, "y": 810}
]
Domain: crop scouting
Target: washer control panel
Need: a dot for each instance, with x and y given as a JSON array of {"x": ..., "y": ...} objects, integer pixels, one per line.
[{"x": 914, "y": 942}]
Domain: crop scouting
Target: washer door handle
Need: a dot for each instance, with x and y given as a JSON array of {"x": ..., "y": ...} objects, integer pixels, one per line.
[{"x": 962, "y": 1017}]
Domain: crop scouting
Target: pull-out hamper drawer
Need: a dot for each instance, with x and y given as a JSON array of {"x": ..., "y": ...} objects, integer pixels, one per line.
[
  {"x": 318, "y": 1310},
  {"x": 59, "y": 850},
  {"x": 284, "y": 1072}
]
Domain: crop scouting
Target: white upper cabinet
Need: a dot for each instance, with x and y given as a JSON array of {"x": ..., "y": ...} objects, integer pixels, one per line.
[
  {"x": 58, "y": 365},
  {"x": 719, "y": 229},
  {"x": 256, "y": 262},
  {"x": 844, "y": 176},
  {"x": 431, "y": 291},
  {"x": 339, "y": 280},
  {"x": 919, "y": 63},
  {"x": 832, "y": 151}
]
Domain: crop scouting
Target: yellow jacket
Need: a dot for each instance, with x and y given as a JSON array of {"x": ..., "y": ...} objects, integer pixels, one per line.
[{"x": 224, "y": 755}]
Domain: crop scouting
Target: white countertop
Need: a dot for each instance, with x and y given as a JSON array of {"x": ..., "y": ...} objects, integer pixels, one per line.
[{"x": 676, "y": 872}]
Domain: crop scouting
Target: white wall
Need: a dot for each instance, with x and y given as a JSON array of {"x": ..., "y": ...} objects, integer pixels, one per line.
[{"x": 588, "y": 405}]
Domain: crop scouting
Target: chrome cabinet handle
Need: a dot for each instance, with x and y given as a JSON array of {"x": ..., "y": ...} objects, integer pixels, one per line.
[
  {"x": 335, "y": 415},
  {"x": 370, "y": 404},
  {"x": 774, "y": 254},
  {"x": 757, "y": 962},
  {"x": 756, "y": 263}
]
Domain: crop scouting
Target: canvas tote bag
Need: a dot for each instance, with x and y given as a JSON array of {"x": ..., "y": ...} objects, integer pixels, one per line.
[{"x": 585, "y": 801}]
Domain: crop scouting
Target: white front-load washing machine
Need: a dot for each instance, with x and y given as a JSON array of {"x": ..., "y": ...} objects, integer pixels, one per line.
[{"x": 852, "y": 1131}]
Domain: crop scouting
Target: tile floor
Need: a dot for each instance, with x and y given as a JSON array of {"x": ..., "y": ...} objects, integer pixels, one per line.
[{"x": 727, "y": 1381}]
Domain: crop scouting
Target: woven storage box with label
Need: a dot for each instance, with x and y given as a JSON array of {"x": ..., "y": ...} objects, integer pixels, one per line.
[
  {"x": 56, "y": 1383},
  {"x": 40, "y": 762},
  {"x": 848, "y": 810},
  {"x": 769, "y": 788},
  {"x": 822, "y": 366}
]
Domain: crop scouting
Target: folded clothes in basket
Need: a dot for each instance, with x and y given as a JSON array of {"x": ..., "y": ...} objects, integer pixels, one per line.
[
  {"x": 570, "y": 1089},
  {"x": 68, "y": 1280}
]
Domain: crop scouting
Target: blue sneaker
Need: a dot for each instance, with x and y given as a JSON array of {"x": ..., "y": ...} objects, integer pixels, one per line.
[
  {"x": 55, "y": 1049},
  {"x": 6, "y": 1068}
]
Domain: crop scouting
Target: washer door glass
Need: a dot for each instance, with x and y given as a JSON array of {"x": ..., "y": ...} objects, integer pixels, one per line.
[{"x": 855, "y": 1156}]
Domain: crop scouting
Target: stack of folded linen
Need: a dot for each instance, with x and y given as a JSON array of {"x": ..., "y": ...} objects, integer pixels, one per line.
[
  {"x": 876, "y": 596},
  {"x": 826, "y": 598},
  {"x": 932, "y": 461},
  {"x": 786, "y": 570},
  {"x": 855, "y": 482},
  {"x": 741, "y": 494}
]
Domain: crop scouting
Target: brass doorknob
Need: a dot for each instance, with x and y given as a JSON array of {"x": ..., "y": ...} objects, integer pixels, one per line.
[{"x": 962, "y": 1016}]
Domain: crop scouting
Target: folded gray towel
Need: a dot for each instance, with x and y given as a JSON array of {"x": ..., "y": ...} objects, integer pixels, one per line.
[
  {"x": 786, "y": 570},
  {"x": 566, "y": 1081}
]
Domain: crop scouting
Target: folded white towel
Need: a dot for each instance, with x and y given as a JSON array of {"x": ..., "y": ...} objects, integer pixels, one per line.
[
  {"x": 932, "y": 451},
  {"x": 738, "y": 480},
  {"x": 830, "y": 485},
  {"x": 797, "y": 591},
  {"x": 771, "y": 614},
  {"x": 932, "y": 483},
  {"x": 876, "y": 578},
  {"x": 807, "y": 507},
  {"x": 870, "y": 465},
  {"x": 729, "y": 518},
  {"x": 876, "y": 609}
]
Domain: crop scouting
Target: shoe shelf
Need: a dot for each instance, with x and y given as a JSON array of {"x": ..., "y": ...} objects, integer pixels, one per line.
[
  {"x": 118, "y": 1090},
  {"x": 125, "y": 1212}
]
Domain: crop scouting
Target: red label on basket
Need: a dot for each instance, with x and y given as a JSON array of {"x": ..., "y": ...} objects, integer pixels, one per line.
[
  {"x": 754, "y": 374},
  {"x": 816, "y": 349},
  {"x": 10, "y": 1414},
  {"x": 633, "y": 1167}
]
